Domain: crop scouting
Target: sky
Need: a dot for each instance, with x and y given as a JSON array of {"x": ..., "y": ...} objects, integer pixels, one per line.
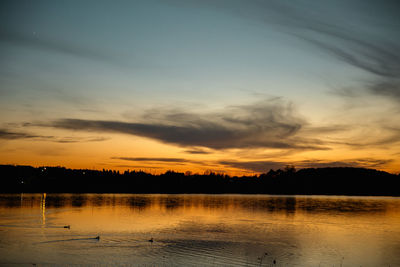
[{"x": 233, "y": 86}]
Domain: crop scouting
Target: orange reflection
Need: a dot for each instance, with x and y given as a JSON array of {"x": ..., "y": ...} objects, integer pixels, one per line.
[
  {"x": 308, "y": 230},
  {"x": 43, "y": 208}
]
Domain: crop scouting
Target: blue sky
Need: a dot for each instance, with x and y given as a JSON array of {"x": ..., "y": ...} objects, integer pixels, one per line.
[{"x": 269, "y": 82}]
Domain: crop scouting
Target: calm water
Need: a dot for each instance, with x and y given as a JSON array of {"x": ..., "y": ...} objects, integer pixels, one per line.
[{"x": 199, "y": 230}]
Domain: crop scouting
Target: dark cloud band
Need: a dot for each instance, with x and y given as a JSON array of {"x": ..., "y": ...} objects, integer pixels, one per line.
[{"x": 266, "y": 124}]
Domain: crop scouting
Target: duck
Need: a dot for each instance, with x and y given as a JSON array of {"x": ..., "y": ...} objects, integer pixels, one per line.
[{"x": 151, "y": 240}]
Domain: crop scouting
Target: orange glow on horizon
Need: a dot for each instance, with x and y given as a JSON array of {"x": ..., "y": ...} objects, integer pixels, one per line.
[{"x": 115, "y": 152}]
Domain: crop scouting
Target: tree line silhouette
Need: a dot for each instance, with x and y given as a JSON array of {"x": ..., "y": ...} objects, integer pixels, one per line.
[{"x": 309, "y": 181}]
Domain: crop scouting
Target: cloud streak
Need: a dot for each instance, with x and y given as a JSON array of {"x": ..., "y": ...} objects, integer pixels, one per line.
[
  {"x": 256, "y": 166},
  {"x": 362, "y": 163},
  {"x": 357, "y": 47},
  {"x": 266, "y": 124},
  {"x": 197, "y": 151},
  {"x": 167, "y": 160},
  {"x": 8, "y": 135},
  {"x": 263, "y": 166},
  {"x": 355, "y": 38},
  {"x": 11, "y": 135}
]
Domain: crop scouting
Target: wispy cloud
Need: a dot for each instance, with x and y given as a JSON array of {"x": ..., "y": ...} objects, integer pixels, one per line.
[
  {"x": 256, "y": 166},
  {"x": 266, "y": 124},
  {"x": 79, "y": 140},
  {"x": 140, "y": 167},
  {"x": 12, "y": 135},
  {"x": 381, "y": 60},
  {"x": 169, "y": 160},
  {"x": 353, "y": 45},
  {"x": 266, "y": 165},
  {"x": 366, "y": 40},
  {"x": 197, "y": 151},
  {"x": 380, "y": 136},
  {"x": 260, "y": 166},
  {"x": 362, "y": 162}
]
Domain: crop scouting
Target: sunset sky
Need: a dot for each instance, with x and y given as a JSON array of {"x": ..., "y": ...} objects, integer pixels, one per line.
[{"x": 236, "y": 86}]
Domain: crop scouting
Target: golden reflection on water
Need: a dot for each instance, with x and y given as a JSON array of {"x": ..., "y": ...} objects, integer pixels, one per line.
[
  {"x": 300, "y": 231},
  {"x": 43, "y": 208},
  {"x": 110, "y": 212}
]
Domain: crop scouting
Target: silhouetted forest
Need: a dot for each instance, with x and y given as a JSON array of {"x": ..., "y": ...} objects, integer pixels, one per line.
[{"x": 311, "y": 181}]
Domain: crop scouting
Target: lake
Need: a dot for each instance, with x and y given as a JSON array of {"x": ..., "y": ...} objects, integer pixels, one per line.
[{"x": 198, "y": 230}]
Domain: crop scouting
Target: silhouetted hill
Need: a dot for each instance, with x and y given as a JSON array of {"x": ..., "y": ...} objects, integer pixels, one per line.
[{"x": 321, "y": 181}]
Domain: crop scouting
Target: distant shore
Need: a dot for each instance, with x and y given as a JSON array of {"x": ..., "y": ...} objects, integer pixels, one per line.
[{"x": 289, "y": 181}]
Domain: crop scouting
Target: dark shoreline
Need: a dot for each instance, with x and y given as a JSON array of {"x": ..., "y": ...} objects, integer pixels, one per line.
[
  {"x": 199, "y": 194},
  {"x": 335, "y": 181}
]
